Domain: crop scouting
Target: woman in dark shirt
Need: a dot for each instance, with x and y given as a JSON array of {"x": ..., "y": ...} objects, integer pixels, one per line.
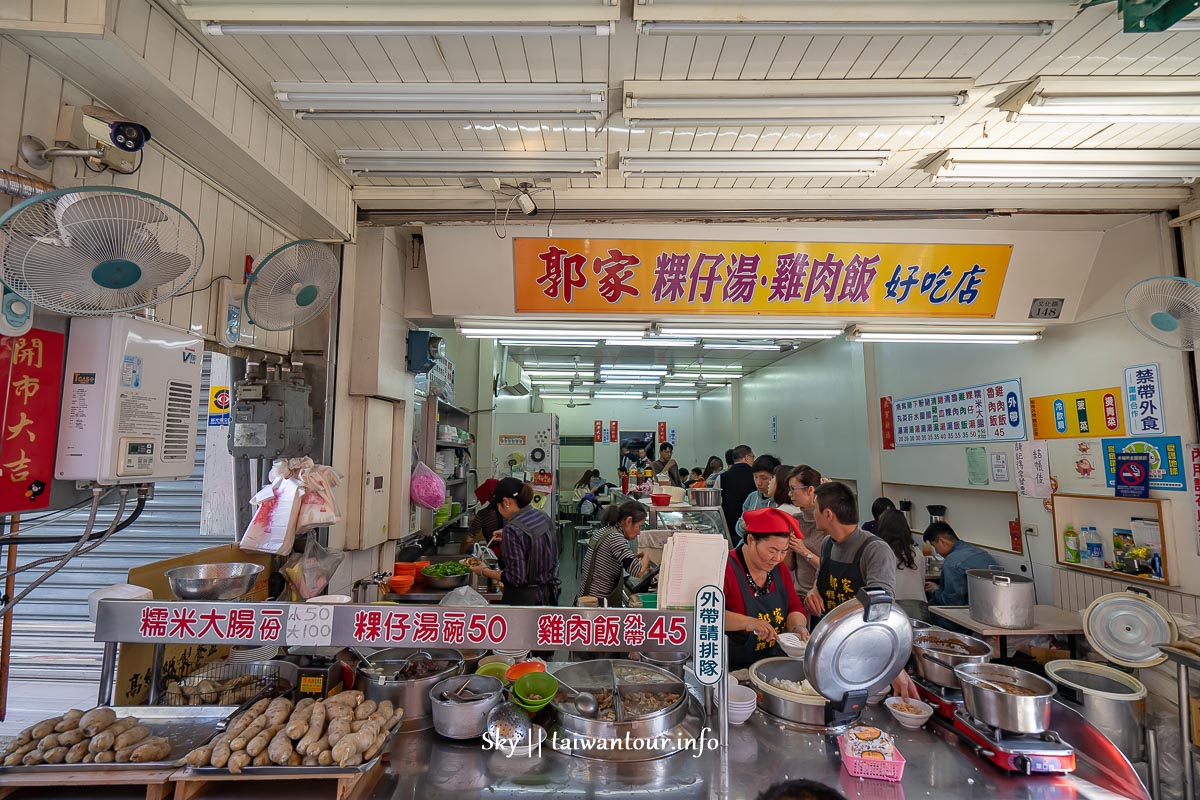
[{"x": 528, "y": 548}]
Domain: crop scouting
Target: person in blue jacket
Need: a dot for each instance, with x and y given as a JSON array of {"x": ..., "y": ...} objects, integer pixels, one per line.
[{"x": 959, "y": 557}]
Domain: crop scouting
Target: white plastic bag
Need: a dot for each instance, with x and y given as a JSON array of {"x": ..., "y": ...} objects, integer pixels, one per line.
[
  {"x": 308, "y": 573},
  {"x": 463, "y": 596},
  {"x": 273, "y": 527},
  {"x": 318, "y": 506}
]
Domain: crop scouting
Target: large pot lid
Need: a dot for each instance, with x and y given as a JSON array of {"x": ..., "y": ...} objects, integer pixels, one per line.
[
  {"x": 860, "y": 646},
  {"x": 1124, "y": 628}
]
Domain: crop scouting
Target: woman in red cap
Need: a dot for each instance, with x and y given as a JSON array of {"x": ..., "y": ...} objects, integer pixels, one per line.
[
  {"x": 487, "y": 523},
  {"x": 760, "y": 598}
]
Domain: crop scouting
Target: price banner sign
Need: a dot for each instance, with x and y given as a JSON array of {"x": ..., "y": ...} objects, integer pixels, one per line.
[{"x": 310, "y": 624}]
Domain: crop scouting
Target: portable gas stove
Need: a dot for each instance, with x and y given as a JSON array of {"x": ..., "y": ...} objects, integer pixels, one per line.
[
  {"x": 945, "y": 702},
  {"x": 1018, "y": 752}
]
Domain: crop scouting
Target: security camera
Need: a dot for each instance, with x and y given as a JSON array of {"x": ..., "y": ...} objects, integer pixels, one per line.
[
  {"x": 528, "y": 207},
  {"x": 112, "y": 130}
]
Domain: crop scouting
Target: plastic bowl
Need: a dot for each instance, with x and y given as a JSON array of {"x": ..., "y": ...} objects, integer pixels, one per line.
[
  {"x": 494, "y": 670},
  {"x": 518, "y": 671},
  {"x": 330, "y": 599},
  {"x": 792, "y": 644},
  {"x": 507, "y": 661},
  {"x": 539, "y": 683},
  {"x": 400, "y": 584},
  {"x": 660, "y": 499},
  {"x": 404, "y": 568},
  {"x": 909, "y": 720},
  {"x": 532, "y": 707}
]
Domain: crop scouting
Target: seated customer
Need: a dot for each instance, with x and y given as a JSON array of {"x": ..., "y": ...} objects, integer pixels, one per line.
[{"x": 959, "y": 557}]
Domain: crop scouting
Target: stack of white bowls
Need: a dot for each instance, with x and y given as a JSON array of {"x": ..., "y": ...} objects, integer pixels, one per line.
[
  {"x": 245, "y": 655},
  {"x": 742, "y": 702},
  {"x": 515, "y": 655}
]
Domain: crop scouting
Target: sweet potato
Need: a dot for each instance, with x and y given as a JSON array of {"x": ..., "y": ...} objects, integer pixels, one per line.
[
  {"x": 132, "y": 736},
  {"x": 20, "y": 740},
  {"x": 325, "y": 758},
  {"x": 309, "y": 761},
  {"x": 106, "y": 757},
  {"x": 260, "y": 742},
  {"x": 104, "y": 740},
  {"x": 15, "y": 758},
  {"x": 280, "y": 748},
  {"x": 71, "y": 738},
  {"x": 200, "y": 757},
  {"x": 238, "y": 761},
  {"x": 56, "y": 755},
  {"x": 33, "y": 758},
  {"x": 315, "y": 747},
  {"x": 45, "y": 728},
  {"x": 156, "y": 748},
  {"x": 337, "y": 729},
  {"x": 316, "y": 726},
  {"x": 354, "y": 744},
  {"x": 255, "y": 728},
  {"x": 263, "y": 759},
  {"x": 297, "y": 724},
  {"x": 339, "y": 711},
  {"x": 77, "y": 752},
  {"x": 279, "y": 711},
  {"x": 376, "y": 746},
  {"x": 294, "y": 760},
  {"x": 48, "y": 743},
  {"x": 70, "y": 721},
  {"x": 221, "y": 754},
  {"x": 365, "y": 709},
  {"x": 96, "y": 720},
  {"x": 89, "y": 759}
]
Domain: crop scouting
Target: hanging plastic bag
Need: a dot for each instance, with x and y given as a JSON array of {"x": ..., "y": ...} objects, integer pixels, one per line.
[
  {"x": 308, "y": 573},
  {"x": 463, "y": 596},
  {"x": 318, "y": 506},
  {"x": 426, "y": 488},
  {"x": 273, "y": 527}
]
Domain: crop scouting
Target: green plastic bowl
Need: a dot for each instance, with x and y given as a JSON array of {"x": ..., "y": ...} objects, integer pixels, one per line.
[
  {"x": 649, "y": 600},
  {"x": 542, "y": 683},
  {"x": 531, "y": 706},
  {"x": 494, "y": 670}
]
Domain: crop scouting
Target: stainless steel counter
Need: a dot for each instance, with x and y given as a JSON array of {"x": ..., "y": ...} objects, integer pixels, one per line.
[
  {"x": 761, "y": 753},
  {"x": 431, "y": 597}
]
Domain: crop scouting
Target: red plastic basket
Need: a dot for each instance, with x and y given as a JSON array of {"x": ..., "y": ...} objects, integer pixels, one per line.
[{"x": 891, "y": 769}]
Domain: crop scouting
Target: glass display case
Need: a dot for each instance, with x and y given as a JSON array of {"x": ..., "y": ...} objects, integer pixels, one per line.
[{"x": 665, "y": 520}]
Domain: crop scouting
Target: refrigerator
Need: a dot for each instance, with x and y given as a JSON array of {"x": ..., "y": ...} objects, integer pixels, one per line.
[{"x": 526, "y": 447}]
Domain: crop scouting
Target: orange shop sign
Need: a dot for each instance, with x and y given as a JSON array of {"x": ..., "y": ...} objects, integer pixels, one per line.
[{"x": 629, "y": 276}]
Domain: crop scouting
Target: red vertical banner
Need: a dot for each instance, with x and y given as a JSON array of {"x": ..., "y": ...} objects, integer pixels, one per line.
[
  {"x": 612, "y": 431},
  {"x": 662, "y": 432},
  {"x": 889, "y": 423},
  {"x": 1014, "y": 536},
  {"x": 598, "y": 431},
  {"x": 29, "y": 436}
]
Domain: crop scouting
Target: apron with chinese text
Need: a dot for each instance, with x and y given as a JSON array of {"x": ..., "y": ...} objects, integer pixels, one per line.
[
  {"x": 744, "y": 647},
  {"x": 837, "y": 581}
]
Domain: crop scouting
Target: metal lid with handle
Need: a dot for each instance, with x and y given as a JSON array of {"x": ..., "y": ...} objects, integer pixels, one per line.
[
  {"x": 1124, "y": 628},
  {"x": 858, "y": 648}
]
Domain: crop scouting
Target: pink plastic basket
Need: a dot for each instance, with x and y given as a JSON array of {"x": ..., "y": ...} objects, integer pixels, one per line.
[{"x": 890, "y": 770}]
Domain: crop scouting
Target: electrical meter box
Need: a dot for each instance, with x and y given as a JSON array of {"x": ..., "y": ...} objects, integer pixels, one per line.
[
  {"x": 271, "y": 419},
  {"x": 130, "y": 398}
]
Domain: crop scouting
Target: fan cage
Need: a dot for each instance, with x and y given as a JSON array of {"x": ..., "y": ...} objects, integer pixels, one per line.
[
  {"x": 1166, "y": 310},
  {"x": 140, "y": 251},
  {"x": 291, "y": 285}
]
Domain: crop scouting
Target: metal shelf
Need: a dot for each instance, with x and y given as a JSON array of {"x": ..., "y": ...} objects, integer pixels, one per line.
[
  {"x": 453, "y": 522},
  {"x": 456, "y": 482}
]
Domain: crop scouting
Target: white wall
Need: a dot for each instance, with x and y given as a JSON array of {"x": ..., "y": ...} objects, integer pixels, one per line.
[{"x": 715, "y": 427}]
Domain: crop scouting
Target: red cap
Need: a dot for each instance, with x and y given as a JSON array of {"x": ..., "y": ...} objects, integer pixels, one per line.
[
  {"x": 485, "y": 490},
  {"x": 771, "y": 520}
]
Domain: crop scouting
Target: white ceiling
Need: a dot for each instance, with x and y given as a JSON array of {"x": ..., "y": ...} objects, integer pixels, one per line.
[{"x": 1091, "y": 44}]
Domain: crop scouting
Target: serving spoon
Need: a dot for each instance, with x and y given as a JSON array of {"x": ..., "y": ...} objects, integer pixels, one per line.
[{"x": 585, "y": 702}]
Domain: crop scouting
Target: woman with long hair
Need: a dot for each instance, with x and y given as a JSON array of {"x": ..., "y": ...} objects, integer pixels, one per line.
[{"x": 910, "y": 563}]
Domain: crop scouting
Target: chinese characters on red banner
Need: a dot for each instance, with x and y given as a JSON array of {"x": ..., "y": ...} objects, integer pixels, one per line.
[{"x": 29, "y": 435}]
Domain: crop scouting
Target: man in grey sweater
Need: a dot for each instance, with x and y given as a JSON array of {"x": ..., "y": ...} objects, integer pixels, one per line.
[{"x": 851, "y": 559}]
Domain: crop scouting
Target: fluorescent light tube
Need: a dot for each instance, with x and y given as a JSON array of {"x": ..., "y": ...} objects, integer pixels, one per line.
[
  {"x": 847, "y": 28},
  {"x": 1065, "y": 169},
  {"x": 750, "y": 332},
  {"x": 532, "y": 333},
  {"x": 660, "y": 342},
  {"x": 940, "y": 180},
  {"x": 560, "y": 373},
  {"x": 742, "y": 346},
  {"x": 390, "y": 29},
  {"x": 786, "y": 121},
  {"x": 637, "y": 395},
  {"x": 460, "y": 100},
  {"x": 1107, "y": 119},
  {"x": 776, "y": 103},
  {"x": 544, "y": 382},
  {"x": 1120, "y": 100},
  {"x": 709, "y": 368},
  {"x": 948, "y": 338},
  {"x": 451, "y": 116},
  {"x": 634, "y": 368},
  {"x": 746, "y": 164},
  {"x": 470, "y": 163},
  {"x": 674, "y": 384},
  {"x": 631, "y": 381},
  {"x": 547, "y": 343}
]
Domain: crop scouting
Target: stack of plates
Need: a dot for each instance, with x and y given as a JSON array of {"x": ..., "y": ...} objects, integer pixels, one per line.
[
  {"x": 243, "y": 655},
  {"x": 742, "y": 702}
]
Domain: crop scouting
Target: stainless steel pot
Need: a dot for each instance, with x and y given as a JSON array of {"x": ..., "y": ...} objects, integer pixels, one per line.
[
  {"x": 704, "y": 497},
  {"x": 1000, "y": 598},
  {"x": 456, "y": 719},
  {"x": 985, "y": 700},
  {"x": 590, "y": 676},
  {"x": 410, "y": 694},
  {"x": 934, "y": 644},
  {"x": 806, "y": 710},
  {"x": 671, "y": 661},
  {"x": 1112, "y": 701}
]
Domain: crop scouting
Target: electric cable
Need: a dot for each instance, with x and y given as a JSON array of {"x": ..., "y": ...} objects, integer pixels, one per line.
[
  {"x": 20, "y": 539},
  {"x": 102, "y": 536}
]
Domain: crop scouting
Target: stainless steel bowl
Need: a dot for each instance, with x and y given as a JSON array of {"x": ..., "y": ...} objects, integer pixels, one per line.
[
  {"x": 704, "y": 497},
  {"x": 593, "y": 676},
  {"x": 798, "y": 708},
  {"x": 670, "y": 660},
  {"x": 982, "y": 686},
  {"x": 212, "y": 581},
  {"x": 458, "y": 719},
  {"x": 451, "y": 582}
]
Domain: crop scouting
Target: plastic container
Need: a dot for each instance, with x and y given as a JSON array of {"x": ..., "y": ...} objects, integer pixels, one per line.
[
  {"x": 540, "y": 683},
  {"x": 518, "y": 671},
  {"x": 400, "y": 584},
  {"x": 1071, "y": 546},
  {"x": 660, "y": 499},
  {"x": 890, "y": 769},
  {"x": 1094, "y": 546},
  {"x": 494, "y": 670}
]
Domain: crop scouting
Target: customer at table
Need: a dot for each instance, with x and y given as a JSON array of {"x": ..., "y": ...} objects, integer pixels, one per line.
[
  {"x": 760, "y": 601},
  {"x": 763, "y": 469},
  {"x": 608, "y": 555},
  {"x": 528, "y": 549},
  {"x": 851, "y": 559},
  {"x": 959, "y": 557},
  {"x": 737, "y": 483},
  {"x": 802, "y": 483},
  {"x": 910, "y": 563},
  {"x": 880, "y": 505}
]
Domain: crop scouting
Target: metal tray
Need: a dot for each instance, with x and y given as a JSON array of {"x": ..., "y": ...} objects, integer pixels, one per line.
[
  {"x": 296, "y": 772},
  {"x": 187, "y": 727}
]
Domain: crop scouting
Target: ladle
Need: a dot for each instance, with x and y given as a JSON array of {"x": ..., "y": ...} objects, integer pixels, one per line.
[{"x": 585, "y": 702}]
